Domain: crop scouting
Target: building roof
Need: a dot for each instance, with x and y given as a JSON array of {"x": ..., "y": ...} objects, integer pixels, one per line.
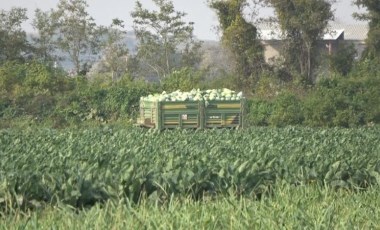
[
  {"x": 270, "y": 35},
  {"x": 335, "y": 31},
  {"x": 334, "y": 34},
  {"x": 352, "y": 32}
]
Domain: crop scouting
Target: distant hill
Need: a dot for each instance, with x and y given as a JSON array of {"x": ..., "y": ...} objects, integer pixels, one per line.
[{"x": 130, "y": 40}]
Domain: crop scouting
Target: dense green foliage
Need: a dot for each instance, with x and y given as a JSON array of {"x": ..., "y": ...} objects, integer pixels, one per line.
[
  {"x": 342, "y": 61},
  {"x": 33, "y": 93},
  {"x": 42, "y": 95},
  {"x": 81, "y": 168},
  {"x": 348, "y": 101},
  {"x": 184, "y": 79}
]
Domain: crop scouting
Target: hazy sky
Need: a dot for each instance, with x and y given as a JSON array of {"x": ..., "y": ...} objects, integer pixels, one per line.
[{"x": 205, "y": 21}]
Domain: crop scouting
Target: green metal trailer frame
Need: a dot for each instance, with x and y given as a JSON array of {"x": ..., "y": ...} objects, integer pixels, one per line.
[{"x": 191, "y": 114}]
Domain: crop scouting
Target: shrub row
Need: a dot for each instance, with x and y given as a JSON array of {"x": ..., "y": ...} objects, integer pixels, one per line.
[
  {"x": 42, "y": 95},
  {"x": 344, "y": 102}
]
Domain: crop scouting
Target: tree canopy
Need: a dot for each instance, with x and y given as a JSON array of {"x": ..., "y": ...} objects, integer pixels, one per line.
[
  {"x": 76, "y": 30},
  {"x": 242, "y": 39},
  {"x": 115, "y": 50},
  {"x": 166, "y": 41},
  {"x": 13, "y": 39},
  {"x": 373, "y": 16},
  {"x": 44, "y": 41},
  {"x": 303, "y": 23}
]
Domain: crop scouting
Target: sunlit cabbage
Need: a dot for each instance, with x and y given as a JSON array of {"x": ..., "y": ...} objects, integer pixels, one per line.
[{"x": 196, "y": 95}]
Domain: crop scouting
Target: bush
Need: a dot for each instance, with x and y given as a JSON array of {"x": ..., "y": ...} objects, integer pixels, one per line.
[
  {"x": 287, "y": 110},
  {"x": 184, "y": 79},
  {"x": 268, "y": 87},
  {"x": 102, "y": 103},
  {"x": 224, "y": 81},
  {"x": 343, "y": 61},
  {"x": 319, "y": 108},
  {"x": 258, "y": 112},
  {"x": 344, "y": 101},
  {"x": 43, "y": 95},
  {"x": 6, "y": 109}
]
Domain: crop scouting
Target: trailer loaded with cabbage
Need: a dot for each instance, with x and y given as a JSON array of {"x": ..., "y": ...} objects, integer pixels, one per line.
[{"x": 213, "y": 108}]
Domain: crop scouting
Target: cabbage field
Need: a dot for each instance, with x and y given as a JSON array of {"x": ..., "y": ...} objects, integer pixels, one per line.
[{"x": 147, "y": 177}]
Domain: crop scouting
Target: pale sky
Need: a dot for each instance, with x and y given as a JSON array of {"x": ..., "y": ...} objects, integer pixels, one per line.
[{"x": 205, "y": 20}]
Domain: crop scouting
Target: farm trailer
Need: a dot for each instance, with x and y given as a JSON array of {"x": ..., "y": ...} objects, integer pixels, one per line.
[{"x": 191, "y": 114}]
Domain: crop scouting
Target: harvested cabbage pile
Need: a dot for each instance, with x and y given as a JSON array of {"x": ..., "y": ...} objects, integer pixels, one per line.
[{"x": 196, "y": 95}]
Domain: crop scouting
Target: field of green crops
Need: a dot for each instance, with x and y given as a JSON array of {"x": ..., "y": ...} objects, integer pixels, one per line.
[{"x": 239, "y": 179}]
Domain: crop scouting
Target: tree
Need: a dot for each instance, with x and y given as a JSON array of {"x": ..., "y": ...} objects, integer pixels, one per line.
[
  {"x": 303, "y": 23},
  {"x": 241, "y": 39},
  {"x": 13, "y": 40},
  {"x": 216, "y": 61},
  {"x": 343, "y": 60},
  {"x": 373, "y": 16},
  {"x": 44, "y": 43},
  {"x": 161, "y": 34},
  {"x": 115, "y": 49},
  {"x": 78, "y": 35}
]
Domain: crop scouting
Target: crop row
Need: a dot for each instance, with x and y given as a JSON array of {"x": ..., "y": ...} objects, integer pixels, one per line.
[{"x": 81, "y": 168}]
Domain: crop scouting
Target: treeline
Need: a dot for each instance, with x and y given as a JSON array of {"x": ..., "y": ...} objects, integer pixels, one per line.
[{"x": 107, "y": 79}]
